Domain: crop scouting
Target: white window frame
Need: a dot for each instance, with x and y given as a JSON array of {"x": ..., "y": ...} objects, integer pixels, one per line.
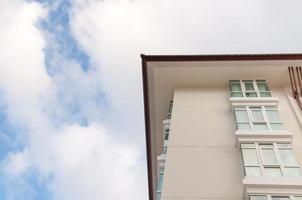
[
  {"x": 269, "y": 196},
  {"x": 266, "y": 121},
  {"x": 256, "y": 89},
  {"x": 275, "y": 149},
  {"x": 159, "y": 190},
  {"x": 170, "y": 109}
]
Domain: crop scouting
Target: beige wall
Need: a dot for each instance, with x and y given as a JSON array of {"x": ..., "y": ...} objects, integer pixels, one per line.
[{"x": 202, "y": 160}]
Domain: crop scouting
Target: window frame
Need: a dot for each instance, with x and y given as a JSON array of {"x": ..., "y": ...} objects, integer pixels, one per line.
[
  {"x": 256, "y": 90},
  {"x": 270, "y": 196},
  {"x": 160, "y": 183},
  {"x": 262, "y": 165},
  {"x": 252, "y": 122}
]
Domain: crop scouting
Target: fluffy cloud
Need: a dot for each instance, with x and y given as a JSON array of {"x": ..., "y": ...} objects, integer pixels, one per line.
[
  {"x": 115, "y": 33},
  {"x": 91, "y": 165},
  {"x": 74, "y": 160}
]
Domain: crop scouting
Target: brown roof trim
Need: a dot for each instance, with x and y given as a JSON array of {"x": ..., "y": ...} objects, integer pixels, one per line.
[
  {"x": 220, "y": 57},
  {"x": 174, "y": 58},
  {"x": 147, "y": 128}
]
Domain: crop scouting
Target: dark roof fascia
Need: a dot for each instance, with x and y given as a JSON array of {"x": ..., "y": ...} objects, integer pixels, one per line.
[
  {"x": 174, "y": 58},
  {"x": 220, "y": 57}
]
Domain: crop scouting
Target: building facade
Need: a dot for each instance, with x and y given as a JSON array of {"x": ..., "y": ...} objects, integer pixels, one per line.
[{"x": 223, "y": 127}]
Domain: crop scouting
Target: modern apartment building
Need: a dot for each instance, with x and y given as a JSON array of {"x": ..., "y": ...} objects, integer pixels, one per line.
[{"x": 223, "y": 127}]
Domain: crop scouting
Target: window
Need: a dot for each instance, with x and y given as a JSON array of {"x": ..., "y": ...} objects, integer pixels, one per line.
[
  {"x": 269, "y": 159},
  {"x": 166, "y": 137},
  {"x": 273, "y": 197},
  {"x": 170, "y": 109},
  {"x": 249, "y": 88},
  {"x": 165, "y": 147},
  {"x": 166, "y": 133},
  {"x": 160, "y": 183},
  {"x": 257, "y": 118}
]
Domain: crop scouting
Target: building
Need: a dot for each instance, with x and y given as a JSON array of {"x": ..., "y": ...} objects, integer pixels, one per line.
[{"x": 235, "y": 129}]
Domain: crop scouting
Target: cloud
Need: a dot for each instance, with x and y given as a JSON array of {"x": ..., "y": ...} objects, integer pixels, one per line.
[
  {"x": 17, "y": 163},
  {"x": 93, "y": 166},
  {"x": 115, "y": 33},
  {"x": 66, "y": 147}
]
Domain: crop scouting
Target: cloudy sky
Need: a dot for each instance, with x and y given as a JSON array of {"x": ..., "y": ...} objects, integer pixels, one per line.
[{"x": 71, "y": 109}]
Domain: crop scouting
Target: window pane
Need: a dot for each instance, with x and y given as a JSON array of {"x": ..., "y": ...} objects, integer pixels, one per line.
[
  {"x": 292, "y": 171},
  {"x": 236, "y": 94},
  {"x": 235, "y": 87},
  {"x": 268, "y": 156},
  {"x": 264, "y": 145},
  {"x": 258, "y": 126},
  {"x": 287, "y": 157},
  {"x": 252, "y": 171},
  {"x": 164, "y": 150},
  {"x": 272, "y": 172},
  {"x": 170, "y": 106},
  {"x": 249, "y": 86},
  {"x": 277, "y": 126},
  {"x": 248, "y": 145},
  {"x": 280, "y": 198},
  {"x": 265, "y": 94},
  {"x": 243, "y": 126},
  {"x": 273, "y": 116},
  {"x": 258, "y": 198},
  {"x": 239, "y": 108},
  {"x": 257, "y": 116},
  {"x": 284, "y": 145},
  {"x": 158, "y": 194},
  {"x": 250, "y": 157},
  {"x": 241, "y": 116},
  {"x": 166, "y": 135},
  {"x": 262, "y": 86},
  {"x": 251, "y": 94},
  {"x": 160, "y": 181}
]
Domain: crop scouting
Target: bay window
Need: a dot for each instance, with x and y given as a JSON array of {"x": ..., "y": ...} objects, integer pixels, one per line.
[
  {"x": 269, "y": 159},
  {"x": 249, "y": 88},
  {"x": 257, "y": 118}
]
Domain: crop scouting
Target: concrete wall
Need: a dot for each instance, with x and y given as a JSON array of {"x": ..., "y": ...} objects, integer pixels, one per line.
[{"x": 202, "y": 160}]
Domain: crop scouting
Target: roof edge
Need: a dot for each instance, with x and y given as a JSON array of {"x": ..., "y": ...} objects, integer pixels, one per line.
[{"x": 221, "y": 57}]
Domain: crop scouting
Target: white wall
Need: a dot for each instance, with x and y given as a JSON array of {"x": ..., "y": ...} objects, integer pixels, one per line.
[{"x": 202, "y": 160}]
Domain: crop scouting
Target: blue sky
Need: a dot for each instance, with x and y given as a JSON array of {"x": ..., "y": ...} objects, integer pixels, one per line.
[{"x": 71, "y": 106}]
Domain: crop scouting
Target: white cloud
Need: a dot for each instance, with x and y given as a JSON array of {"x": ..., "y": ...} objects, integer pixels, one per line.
[
  {"x": 82, "y": 162},
  {"x": 23, "y": 76},
  {"x": 17, "y": 163},
  {"x": 93, "y": 166},
  {"x": 115, "y": 33}
]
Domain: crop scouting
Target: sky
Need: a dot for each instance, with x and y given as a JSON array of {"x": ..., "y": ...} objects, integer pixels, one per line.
[{"x": 71, "y": 104}]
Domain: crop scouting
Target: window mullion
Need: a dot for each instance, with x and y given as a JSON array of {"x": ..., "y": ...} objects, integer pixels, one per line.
[
  {"x": 256, "y": 88},
  {"x": 259, "y": 159},
  {"x": 263, "y": 111},
  {"x": 243, "y": 88},
  {"x": 277, "y": 155},
  {"x": 250, "y": 117}
]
